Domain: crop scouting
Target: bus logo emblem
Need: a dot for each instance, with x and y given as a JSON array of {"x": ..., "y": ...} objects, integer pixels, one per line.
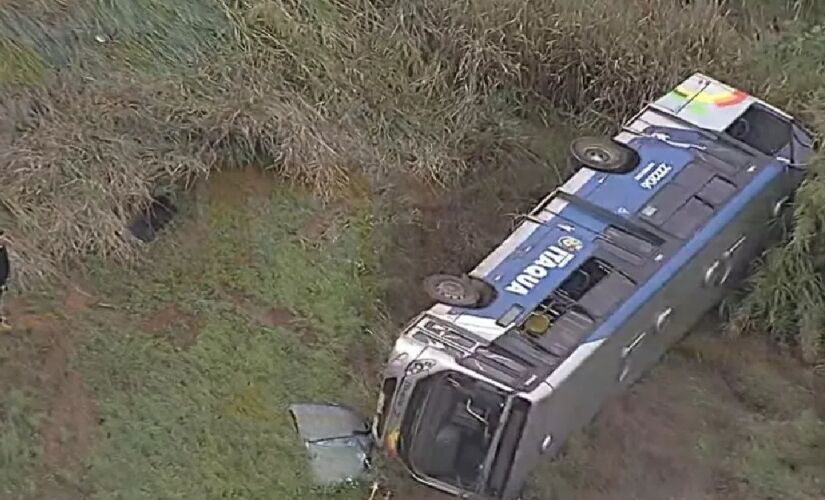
[{"x": 570, "y": 243}]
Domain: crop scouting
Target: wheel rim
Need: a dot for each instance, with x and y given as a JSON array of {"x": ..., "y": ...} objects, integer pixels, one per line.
[
  {"x": 452, "y": 290},
  {"x": 597, "y": 155}
]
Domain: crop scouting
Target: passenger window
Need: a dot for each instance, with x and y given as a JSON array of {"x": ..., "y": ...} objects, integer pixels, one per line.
[
  {"x": 761, "y": 129},
  {"x": 565, "y": 297},
  {"x": 585, "y": 297}
]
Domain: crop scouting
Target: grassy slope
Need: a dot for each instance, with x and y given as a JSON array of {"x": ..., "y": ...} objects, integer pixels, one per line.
[
  {"x": 196, "y": 357},
  {"x": 210, "y": 421},
  {"x": 224, "y": 431},
  {"x": 717, "y": 419}
]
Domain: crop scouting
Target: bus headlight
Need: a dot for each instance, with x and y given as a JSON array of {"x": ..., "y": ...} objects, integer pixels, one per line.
[
  {"x": 419, "y": 366},
  {"x": 391, "y": 443}
]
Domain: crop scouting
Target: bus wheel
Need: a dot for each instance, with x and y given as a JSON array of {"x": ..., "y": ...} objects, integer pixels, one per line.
[
  {"x": 458, "y": 291},
  {"x": 603, "y": 154}
]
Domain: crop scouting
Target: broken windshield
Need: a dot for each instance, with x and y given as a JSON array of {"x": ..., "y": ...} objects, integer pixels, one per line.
[{"x": 448, "y": 432}]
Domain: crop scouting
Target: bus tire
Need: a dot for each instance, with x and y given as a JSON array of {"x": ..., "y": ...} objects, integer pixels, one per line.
[
  {"x": 457, "y": 291},
  {"x": 602, "y": 154}
]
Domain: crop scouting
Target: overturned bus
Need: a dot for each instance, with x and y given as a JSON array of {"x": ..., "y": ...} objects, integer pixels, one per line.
[{"x": 589, "y": 290}]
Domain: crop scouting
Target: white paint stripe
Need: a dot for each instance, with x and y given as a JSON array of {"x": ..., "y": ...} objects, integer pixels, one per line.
[
  {"x": 507, "y": 247},
  {"x": 575, "y": 183},
  {"x": 441, "y": 310},
  {"x": 483, "y": 327}
]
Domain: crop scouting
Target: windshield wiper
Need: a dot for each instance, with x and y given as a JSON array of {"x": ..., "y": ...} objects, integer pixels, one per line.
[
  {"x": 491, "y": 451},
  {"x": 469, "y": 408}
]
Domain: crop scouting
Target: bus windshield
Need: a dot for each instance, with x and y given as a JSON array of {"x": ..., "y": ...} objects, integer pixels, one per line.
[{"x": 447, "y": 432}]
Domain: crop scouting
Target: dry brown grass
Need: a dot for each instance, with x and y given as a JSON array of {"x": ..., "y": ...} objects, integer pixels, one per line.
[
  {"x": 315, "y": 90},
  {"x": 105, "y": 103}
]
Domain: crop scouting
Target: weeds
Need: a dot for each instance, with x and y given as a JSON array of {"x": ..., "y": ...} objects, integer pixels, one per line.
[
  {"x": 785, "y": 294},
  {"x": 784, "y": 459},
  {"x": 19, "y": 443},
  {"x": 137, "y": 96},
  {"x": 211, "y": 420}
]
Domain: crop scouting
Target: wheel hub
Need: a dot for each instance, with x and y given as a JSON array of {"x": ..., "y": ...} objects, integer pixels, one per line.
[
  {"x": 597, "y": 155},
  {"x": 452, "y": 290}
]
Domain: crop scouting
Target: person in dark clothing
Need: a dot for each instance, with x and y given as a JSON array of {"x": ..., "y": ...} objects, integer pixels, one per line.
[{"x": 5, "y": 271}]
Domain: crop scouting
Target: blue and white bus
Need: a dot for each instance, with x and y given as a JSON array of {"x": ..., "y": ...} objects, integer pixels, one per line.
[{"x": 590, "y": 289}]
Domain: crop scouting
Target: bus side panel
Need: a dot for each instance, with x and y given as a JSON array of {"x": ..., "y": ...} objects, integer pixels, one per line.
[
  {"x": 687, "y": 296},
  {"x": 557, "y": 413},
  {"x": 570, "y": 405}
]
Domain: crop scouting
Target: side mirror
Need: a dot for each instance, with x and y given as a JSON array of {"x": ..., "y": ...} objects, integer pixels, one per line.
[{"x": 337, "y": 439}]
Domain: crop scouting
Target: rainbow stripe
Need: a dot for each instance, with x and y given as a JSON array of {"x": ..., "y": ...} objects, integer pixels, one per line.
[{"x": 714, "y": 95}]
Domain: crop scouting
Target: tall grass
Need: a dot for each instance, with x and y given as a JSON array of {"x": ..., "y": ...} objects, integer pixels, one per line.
[
  {"x": 786, "y": 295},
  {"x": 104, "y": 102},
  {"x": 112, "y": 100}
]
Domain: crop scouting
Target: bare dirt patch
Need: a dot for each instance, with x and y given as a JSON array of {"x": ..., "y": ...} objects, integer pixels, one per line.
[
  {"x": 408, "y": 490},
  {"x": 450, "y": 230},
  {"x": 644, "y": 445},
  {"x": 323, "y": 227},
  {"x": 76, "y": 300},
  {"x": 752, "y": 373},
  {"x": 173, "y": 323},
  {"x": 277, "y": 316},
  {"x": 272, "y": 316},
  {"x": 819, "y": 391},
  {"x": 70, "y": 429},
  {"x": 73, "y": 424},
  {"x": 235, "y": 187},
  {"x": 366, "y": 363},
  {"x": 422, "y": 493}
]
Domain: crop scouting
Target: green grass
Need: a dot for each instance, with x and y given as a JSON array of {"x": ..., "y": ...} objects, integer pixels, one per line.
[
  {"x": 19, "y": 64},
  {"x": 323, "y": 92},
  {"x": 785, "y": 295},
  {"x": 785, "y": 459},
  {"x": 20, "y": 416},
  {"x": 100, "y": 35},
  {"x": 211, "y": 421}
]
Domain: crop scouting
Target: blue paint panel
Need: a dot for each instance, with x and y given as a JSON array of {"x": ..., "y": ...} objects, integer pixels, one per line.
[
  {"x": 610, "y": 191},
  {"x": 577, "y": 217},
  {"x": 520, "y": 259},
  {"x": 624, "y": 194}
]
